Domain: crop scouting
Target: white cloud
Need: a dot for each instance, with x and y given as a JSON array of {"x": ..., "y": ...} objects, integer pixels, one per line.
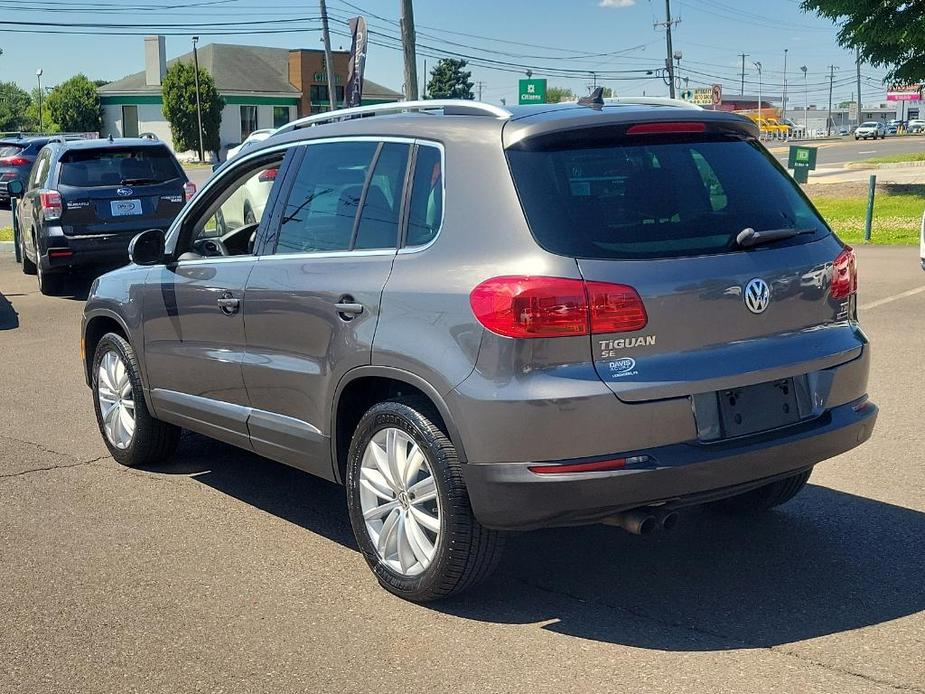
[{"x": 616, "y": 3}]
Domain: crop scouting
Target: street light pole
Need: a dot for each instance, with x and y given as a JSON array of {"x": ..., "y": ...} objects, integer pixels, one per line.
[
  {"x": 805, "y": 103},
  {"x": 828, "y": 122},
  {"x": 783, "y": 101},
  {"x": 757, "y": 65},
  {"x": 38, "y": 76},
  {"x": 328, "y": 59},
  {"x": 198, "y": 99}
]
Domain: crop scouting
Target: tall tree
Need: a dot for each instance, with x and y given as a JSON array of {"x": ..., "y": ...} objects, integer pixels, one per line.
[
  {"x": 75, "y": 106},
  {"x": 32, "y": 124},
  {"x": 179, "y": 90},
  {"x": 450, "y": 80},
  {"x": 888, "y": 33},
  {"x": 555, "y": 95},
  {"x": 13, "y": 104}
]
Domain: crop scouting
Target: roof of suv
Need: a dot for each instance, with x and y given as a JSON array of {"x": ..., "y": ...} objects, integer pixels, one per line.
[
  {"x": 521, "y": 122},
  {"x": 105, "y": 143}
]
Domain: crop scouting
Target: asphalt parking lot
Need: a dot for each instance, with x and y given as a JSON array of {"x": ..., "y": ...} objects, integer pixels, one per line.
[{"x": 221, "y": 571}]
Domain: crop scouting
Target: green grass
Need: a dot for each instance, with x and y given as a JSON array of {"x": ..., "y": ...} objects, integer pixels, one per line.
[
  {"x": 6, "y": 233},
  {"x": 897, "y": 158},
  {"x": 897, "y": 217}
]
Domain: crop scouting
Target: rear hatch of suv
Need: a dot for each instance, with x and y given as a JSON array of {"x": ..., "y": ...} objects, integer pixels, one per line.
[
  {"x": 712, "y": 269},
  {"x": 114, "y": 189}
]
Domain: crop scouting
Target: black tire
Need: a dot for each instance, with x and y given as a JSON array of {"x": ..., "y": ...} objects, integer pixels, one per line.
[
  {"x": 765, "y": 498},
  {"x": 28, "y": 267},
  {"x": 153, "y": 440},
  {"x": 466, "y": 552},
  {"x": 50, "y": 283}
]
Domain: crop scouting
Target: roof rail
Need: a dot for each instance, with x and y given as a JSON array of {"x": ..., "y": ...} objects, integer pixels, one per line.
[
  {"x": 652, "y": 101},
  {"x": 450, "y": 107}
]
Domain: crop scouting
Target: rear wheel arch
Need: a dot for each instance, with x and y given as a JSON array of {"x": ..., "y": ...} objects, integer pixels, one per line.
[{"x": 362, "y": 388}]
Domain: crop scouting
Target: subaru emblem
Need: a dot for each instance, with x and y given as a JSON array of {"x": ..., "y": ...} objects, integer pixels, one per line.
[
  {"x": 124, "y": 192},
  {"x": 757, "y": 295}
]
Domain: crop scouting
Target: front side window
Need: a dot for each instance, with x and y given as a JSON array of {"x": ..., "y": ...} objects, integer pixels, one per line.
[
  {"x": 325, "y": 197},
  {"x": 228, "y": 226},
  {"x": 248, "y": 121}
]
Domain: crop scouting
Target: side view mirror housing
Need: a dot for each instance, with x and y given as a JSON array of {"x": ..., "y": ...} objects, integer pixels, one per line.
[
  {"x": 14, "y": 188},
  {"x": 147, "y": 248}
]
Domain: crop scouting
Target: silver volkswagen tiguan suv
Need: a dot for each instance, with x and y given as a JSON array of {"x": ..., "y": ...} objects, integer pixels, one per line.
[{"x": 482, "y": 320}]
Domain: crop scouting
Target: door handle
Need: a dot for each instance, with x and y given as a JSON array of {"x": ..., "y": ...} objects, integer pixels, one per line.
[
  {"x": 228, "y": 304},
  {"x": 347, "y": 308}
]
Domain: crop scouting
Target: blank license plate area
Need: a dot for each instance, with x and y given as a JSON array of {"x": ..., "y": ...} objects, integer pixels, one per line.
[
  {"x": 757, "y": 408},
  {"x": 122, "y": 208}
]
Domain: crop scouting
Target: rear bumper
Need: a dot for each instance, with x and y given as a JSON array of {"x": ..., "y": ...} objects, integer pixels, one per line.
[
  {"x": 62, "y": 251},
  {"x": 510, "y": 496}
]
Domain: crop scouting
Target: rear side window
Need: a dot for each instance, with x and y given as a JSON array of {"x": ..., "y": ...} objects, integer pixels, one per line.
[
  {"x": 378, "y": 226},
  {"x": 325, "y": 197},
  {"x": 426, "y": 208},
  {"x": 114, "y": 166},
  {"x": 660, "y": 198}
]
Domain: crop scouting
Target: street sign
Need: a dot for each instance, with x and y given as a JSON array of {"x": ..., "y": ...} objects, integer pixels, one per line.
[
  {"x": 704, "y": 96},
  {"x": 532, "y": 91},
  {"x": 802, "y": 160}
]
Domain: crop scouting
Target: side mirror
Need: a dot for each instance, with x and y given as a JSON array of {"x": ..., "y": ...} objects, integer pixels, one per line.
[
  {"x": 14, "y": 188},
  {"x": 147, "y": 248}
]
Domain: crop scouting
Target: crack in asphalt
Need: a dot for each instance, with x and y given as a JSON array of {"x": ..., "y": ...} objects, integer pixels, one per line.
[
  {"x": 731, "y": 641},
  {"x": 46, "y": 468}
]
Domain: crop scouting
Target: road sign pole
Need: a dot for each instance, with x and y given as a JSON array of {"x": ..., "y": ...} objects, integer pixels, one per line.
[{"x": 871, "y": 191}]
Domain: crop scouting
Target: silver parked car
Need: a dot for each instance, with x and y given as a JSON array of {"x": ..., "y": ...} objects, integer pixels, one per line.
[
  {"x": 482, "y": 320},
  {"x": 870, "y": 130}
]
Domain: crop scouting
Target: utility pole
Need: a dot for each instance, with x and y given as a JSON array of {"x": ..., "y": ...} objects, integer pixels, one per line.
[
  {"x": 479, "y": 86},
  {"x": 805, "y": 103},
  {"x": 424, "y": 93},
  {"x": 858, "y": 61},
  {"x": 329, "y": 63},
  {"x": 828, "y": 123},
  {"x": 669, "y": 60},
  {"x": 757, "y": 65},
  {"x": 198, "y": 99},
  {"x": 743, "y": 56},
  {"x": 407, "y": 42},
  {"x": 783, "y": 101}
]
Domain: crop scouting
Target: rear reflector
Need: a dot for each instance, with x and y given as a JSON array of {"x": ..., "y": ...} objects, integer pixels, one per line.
[
  {"x": 599, "y": 466},
  {"x": 666, "y": 128},
  {"x": 525, "y": 307},
  {"x": 189, "y": 190},
  {"x": 844, "y": 274},
  {"x": 60, "y": 253},
  {"x": 52, "y": 205}
]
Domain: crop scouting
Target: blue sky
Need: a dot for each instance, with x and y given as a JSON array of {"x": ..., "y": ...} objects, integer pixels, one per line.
[{"x": 564, "y": 41}]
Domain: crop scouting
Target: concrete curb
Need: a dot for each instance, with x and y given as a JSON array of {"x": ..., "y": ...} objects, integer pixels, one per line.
[
  {"x": 6, "y": 246},
  {"x": 891, "y": 165}
]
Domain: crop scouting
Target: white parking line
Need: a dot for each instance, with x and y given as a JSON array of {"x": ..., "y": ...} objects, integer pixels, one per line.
[
  {"x": 881, "y": 302},
  {"x": 870, "y": 151}
]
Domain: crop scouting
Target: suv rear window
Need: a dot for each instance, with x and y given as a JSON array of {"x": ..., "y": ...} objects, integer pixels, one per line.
[
  {"x": 663, "y": 197},
  {"x": 114, "y": 166},
  {"x": 7, "y": 150}
]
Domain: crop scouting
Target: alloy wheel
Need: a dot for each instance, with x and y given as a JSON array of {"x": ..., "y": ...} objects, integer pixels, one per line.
[
  {"x": 399, "y": 502},
  {"x": 116, "y": 400}
]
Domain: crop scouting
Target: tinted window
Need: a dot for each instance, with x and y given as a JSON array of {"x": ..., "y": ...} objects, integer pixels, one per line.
[
  {"x": 113, "y": 166},
  {"x": 658, "y": 199},
  {"x": 379, "y": 219},
  {"x": 9, "y": 150},
  {"x": 426, "y": 208},
  {"x": 325, "y": 198}
]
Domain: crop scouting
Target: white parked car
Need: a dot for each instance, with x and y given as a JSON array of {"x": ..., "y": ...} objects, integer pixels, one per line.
[
  {"x": 916, "y": 126},
  {"x": 256, "y": 136},
  {"x": 870, "y": 130}
]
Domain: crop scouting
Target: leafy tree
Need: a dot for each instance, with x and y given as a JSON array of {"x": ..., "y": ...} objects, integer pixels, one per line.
[
  {"x": 608, "y": 92},
  {"x": 74, "y": 105},
  {"x": 449, "y": 80},
  {"x": 31, "y": 123},
  {"x": 179, "y": 90},
  {"x": 13, "y": 104},
  {"x": 555, "y": 95},
  {"x": 888, "y": 33}
]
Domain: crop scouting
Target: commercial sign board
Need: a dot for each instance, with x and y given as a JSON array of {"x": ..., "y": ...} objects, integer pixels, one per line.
[
  {"x": 532, "y": 91},
  {"x": 704, "y": 96},
  {"x": 904, "y": 92},
  {"x": 802, "y": 160}
]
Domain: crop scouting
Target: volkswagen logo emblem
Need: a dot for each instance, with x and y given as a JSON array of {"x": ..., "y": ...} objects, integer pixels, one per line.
[
  {"x": 124, "y": 192},
  {"x": 757, "y": 295}
]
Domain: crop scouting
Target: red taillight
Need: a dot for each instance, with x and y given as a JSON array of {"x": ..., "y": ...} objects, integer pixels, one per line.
[
  {"x": 13, "y": 161},
  {"x": 267, "y": 175},
  {"x": 189, "y": 190},
  {"x": 844, "y": 274},
  {"x": 556, "y": 307},
  {"x": 51, "y": 203},
  {"x": 666, "y": 128}
]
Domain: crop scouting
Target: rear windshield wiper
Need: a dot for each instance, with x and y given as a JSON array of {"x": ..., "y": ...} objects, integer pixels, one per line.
[
  {"x": 137, "y": 181},
  {"x": 748, "y": 237}
]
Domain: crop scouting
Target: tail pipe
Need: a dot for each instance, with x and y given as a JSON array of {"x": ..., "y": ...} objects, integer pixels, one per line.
[{"x": 643, "y": 522}]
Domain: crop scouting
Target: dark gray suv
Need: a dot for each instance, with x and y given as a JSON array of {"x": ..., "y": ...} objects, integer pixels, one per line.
[{"x": 482, "y": 320}]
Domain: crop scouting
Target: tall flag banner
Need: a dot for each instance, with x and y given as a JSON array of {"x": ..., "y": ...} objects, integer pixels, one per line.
[{"x": 357, "y": 64}]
